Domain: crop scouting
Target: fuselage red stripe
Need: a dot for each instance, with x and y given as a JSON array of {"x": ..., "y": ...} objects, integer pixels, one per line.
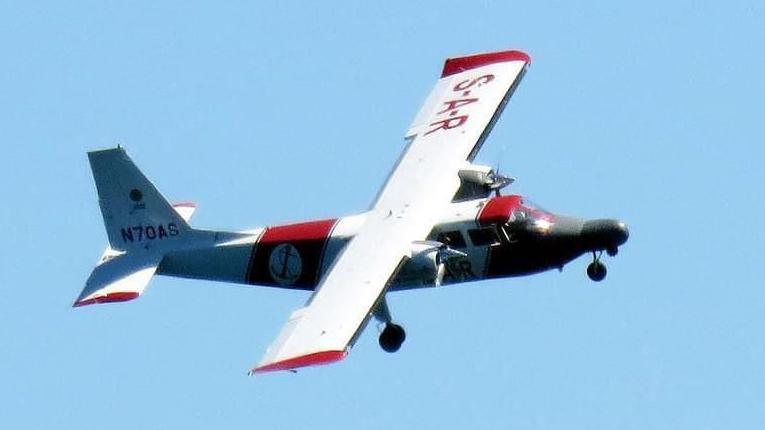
[{"x": 306, "y": 242}]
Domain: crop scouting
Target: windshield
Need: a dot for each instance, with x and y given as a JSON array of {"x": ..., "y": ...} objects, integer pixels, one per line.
[
  {"x": 530, "y": 217},
  {"x": 529, "y": 210}
]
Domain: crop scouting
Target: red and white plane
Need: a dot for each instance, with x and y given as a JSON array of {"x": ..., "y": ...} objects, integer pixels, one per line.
[{"x": 438, "y": 220}]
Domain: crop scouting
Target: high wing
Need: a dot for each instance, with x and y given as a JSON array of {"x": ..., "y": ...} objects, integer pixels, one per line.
[{"x": 444, "y": 137}]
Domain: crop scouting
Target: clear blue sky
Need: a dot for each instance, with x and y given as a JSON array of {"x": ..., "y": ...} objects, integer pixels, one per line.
[{"x": 651, "y": 112}]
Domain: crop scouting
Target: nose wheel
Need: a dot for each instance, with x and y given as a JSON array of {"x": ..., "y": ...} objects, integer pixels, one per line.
[
  {"x": 596, "y": 270},
  {"x": 391, "y": 338}
]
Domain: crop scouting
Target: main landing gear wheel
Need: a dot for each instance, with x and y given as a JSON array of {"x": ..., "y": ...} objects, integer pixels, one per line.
[
  {"x": 392, "y": 337},
  {"x": 596, "y": 270}
]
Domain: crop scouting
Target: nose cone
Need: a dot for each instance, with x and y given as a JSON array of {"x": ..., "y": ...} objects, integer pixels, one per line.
[{"x": 604, "y": 234}]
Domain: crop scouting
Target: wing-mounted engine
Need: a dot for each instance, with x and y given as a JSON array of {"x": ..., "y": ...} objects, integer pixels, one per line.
[
  {"x": 428, "y": 262},
  {"x": 479, "y": 182}
]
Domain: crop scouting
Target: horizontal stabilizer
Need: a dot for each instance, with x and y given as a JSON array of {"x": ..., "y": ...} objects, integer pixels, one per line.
[{"x": 120, "y": 278}]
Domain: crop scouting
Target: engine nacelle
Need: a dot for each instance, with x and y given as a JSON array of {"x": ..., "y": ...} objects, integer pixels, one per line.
[
  {"x": 423, "y": 264},
  {"x": 476, "y": 174},
  {"x": 479, "y": 181},
  {"x": 427, "y": 263}
]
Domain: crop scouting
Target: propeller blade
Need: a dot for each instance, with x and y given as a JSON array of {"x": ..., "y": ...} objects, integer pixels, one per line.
[{"x": 440, "y": 272}]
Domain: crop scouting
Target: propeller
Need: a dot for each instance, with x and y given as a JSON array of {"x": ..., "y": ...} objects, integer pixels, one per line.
[
  {"x": 498, "y": 181},
  {"x": 443, "y": 254}
]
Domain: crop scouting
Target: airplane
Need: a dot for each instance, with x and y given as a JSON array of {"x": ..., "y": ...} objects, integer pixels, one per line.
[{"x": 438, "y": 220}]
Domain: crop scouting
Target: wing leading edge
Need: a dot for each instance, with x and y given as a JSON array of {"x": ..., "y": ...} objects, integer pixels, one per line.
[{"x": 446, "y": 133}]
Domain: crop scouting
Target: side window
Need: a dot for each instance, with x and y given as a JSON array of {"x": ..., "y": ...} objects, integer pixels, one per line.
[
  {"x": 484, "y": 236},
  {"x": 452, "y": 238}
]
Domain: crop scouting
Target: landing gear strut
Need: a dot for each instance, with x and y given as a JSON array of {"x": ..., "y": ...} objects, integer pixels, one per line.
[
  {"x": 392, "y": 337},
  {"x": 596, "y": 270}
]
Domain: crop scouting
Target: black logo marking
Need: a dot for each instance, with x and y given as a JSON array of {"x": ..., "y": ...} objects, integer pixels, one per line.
[{"x": 136, "y": 195}]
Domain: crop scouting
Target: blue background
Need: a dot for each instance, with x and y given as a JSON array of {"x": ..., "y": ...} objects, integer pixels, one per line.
[{"x": 650, "y": 112}]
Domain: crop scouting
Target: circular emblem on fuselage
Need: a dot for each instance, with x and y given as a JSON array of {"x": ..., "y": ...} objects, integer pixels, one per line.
[{"x": 285, "y": 264}]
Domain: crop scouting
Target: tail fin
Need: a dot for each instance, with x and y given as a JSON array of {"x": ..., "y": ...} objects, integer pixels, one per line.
[
  {"x": 135, "y": 213},
  {"x": 140, "y": 224}
]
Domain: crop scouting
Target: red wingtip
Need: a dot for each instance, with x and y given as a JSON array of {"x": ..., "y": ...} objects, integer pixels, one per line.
[
  {"x": 457, "y": 65},
  {"x": 109, "y": 298},
  {"x": 315, "y": 359}
]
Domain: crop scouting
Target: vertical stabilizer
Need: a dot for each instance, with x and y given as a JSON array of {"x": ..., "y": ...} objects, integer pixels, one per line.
[{"x": 136, "y": 216}]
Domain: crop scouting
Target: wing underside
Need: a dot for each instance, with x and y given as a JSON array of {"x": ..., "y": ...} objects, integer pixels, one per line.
[{"x": 445, "y": 135}]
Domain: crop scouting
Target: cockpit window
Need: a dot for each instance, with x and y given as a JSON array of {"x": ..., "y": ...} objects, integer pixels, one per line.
[
  {"x": 453, "y": 239},
  {"x": 530, "y": 212},
  {"x": 484, "y": 236},
  {"x": 527, "y": 218},
  {"x": 519, "y": 215}
]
